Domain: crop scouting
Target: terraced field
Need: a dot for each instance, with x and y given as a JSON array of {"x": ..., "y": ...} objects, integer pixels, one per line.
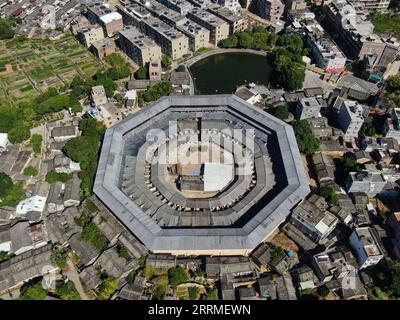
[{"x": 29, "y": 67}]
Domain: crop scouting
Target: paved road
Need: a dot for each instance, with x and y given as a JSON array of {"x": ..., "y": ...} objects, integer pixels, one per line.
[{"x": 74, "y": 277}]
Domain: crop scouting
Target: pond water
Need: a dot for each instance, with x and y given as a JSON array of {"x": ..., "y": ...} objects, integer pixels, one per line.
[{"x": 223, "y": 73}]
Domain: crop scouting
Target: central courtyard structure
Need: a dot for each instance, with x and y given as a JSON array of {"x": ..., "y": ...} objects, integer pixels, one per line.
[{"x": 201, "y": 175}]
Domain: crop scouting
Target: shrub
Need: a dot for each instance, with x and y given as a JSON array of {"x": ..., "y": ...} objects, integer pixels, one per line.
[
  {"x": 91, "y": 234},
  {"x": 53, "y": 176},
  {"x": 36, "y": 142},
  {"x": 177, "y": 275},
  {"x": 59, "y": 257},
  {"x": 33, "y": 291},
  {"x": 67, "y": 291},
  {"x": 30, "y": 171}
]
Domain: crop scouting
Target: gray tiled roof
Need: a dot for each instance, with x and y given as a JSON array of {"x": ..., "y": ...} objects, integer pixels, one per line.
[{"x": 245, "y": 236}]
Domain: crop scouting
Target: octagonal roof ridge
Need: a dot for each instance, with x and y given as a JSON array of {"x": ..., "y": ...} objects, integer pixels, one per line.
[{"x": 184, "y": 239}]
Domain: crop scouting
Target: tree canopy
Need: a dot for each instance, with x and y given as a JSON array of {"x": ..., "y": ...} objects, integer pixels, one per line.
[
  {"x": 19, "y": 134},
  {"x": 6, "y": 184},
  {"x": 67, "y": 290},
  {"x": 141, "y": 73},
  {"x": 107, "y": 288},
  {"x": 53, "y": 176},
  {"x": 36, "y": 142},
  {"x": 281, "y": 112},
  {"x": 307, "y": 142},
  {"x": 177, "y": 275},
  {"x": 59, "y": 256},
  {"x": 166, "y": 62},
  {"x": 33, "y": 292},
  {"x": 6, "y": 29},
  {"x": 84, "y": 149},
  {"x": 330, "y": 195},
  {"x": 30, "y": 171}
]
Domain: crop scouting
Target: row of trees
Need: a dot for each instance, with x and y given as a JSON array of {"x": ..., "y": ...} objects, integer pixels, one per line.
[
  {"x": 286, "y": 52},
  {"x": 84, "y": 149},
  {"x": 155, "y": 92},
  {"x": 10, "y": 192},
  {"x": 391, "y": 95},
  {"x": 6, "y": 28}
]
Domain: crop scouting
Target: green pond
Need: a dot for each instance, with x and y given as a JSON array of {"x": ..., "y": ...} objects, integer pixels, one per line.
[{"x": 223, "y": 73}]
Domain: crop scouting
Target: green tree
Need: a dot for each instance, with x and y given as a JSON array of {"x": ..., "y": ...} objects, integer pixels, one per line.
[
  {"x": 245, "y": 40},
  {"x": 53, "y": 176},
  {"x": 307, "y": 142},
  {"x": 141, "y": 73},
  {"x": 91, "y": 234},
  {"x": 67, "y": 290},
  {"x": 4, "y": 256},
  {"x": 59, "y": 257},
  {"x": 230, "y": 42},
  {"x": 181, "y": 68},
  {"x": 367, "y": 129},
  {"x": 277, "y": 253},
  {"x": 166, "y": 62},
  {"x": 289, "y": 74},
  {"x": 393, "y": 83},
  {"x": 394, "y": 278},
  {"x": 7, "y": 119},
  {"x": 330, "y": 195},
  {"x": 13, "y": 197},
  {"x": 30, "y": 171},
  {"x": 19, "y": 134},
  {"x": 33, "y": 292},
  {"x": 6, "y": 184},
  {"x": 281, "y": 112},
  {"x": 36, "y": 142},
  {"x": 107, "y": 288},
  {"x": 177, "y": 275},
  {"x": 193, "y": 293},
  {"x": 211, "y": 294},
  {"x": 6, "y": 30},
  {"x": 159, "y": 292}
]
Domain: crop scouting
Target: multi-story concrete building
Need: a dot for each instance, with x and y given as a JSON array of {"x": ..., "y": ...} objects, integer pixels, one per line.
[
  {"x": 370, "y": 183},
  {"x": 98, "y": 96},
  {"x": 367, "y": 247},
  {"x": 232, "y": 5},
  {"x": 308, "y": 108},
  {"x": 330, "y": 264},
  {"x": 89, "y": 35},
  {"x": 133, "y": 13},
  {"x": 172, "y": 18},
  {"x": 180, "y": 6},
  {"x": 356, "y": 34},
  {"x": 103, "y": 48},
  {"x": 107, "y": 17},
  {"x": 155, "y": 70},
  {"x": 140, "y": 48},
  {"x": 171, "y": 41},
  {"x": 198, "y": 36},
  {"x": 326, "y": 54},
  {"x": 236, "y": 22},
  {"x": 370, "y": 5},
  {"x": 313, "y": 219},
  {"x": 271, "y": 10},
  {"x": 391, "y": 129},
  {"x": 219, "y": 29},
  {"x": 154, "y": 6},
  {"x": 350, "y": 118}
]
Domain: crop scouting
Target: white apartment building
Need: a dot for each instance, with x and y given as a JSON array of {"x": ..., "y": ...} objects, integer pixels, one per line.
[
  {"x": 391, "y": 129},
  {"x": 308, "y": 108},
  {"x": 351, "y": 118},
  {"x": 367, "y": 247}
]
